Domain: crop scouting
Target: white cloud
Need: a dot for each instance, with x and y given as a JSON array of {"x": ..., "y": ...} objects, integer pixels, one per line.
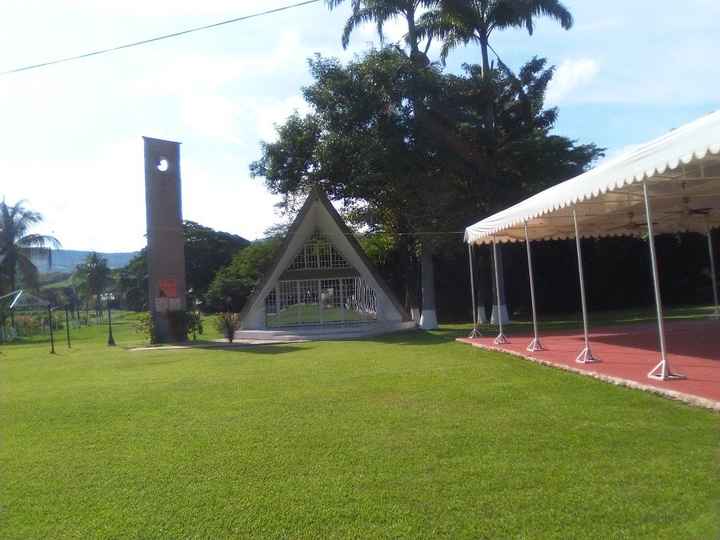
[
  {"x": 174, "y": 8},
  {"x": 211, "y": 116},
  {"x": 570, "y": 76},
  {"x": 269, "y": 114},
  {"x": 234, "y": 203},
  {"x": 92, "y": 203}
]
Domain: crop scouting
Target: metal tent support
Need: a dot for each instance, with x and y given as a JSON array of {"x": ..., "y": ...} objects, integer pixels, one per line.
[
  {"x": 713, "y": 275},
  {"x": 475, "y": 333},
  {"x": 501, "y": 339},
  {"x": 662, "y": 370},
  {"x": 586, "y": 355},
  {"x": 535, "y": 345}
]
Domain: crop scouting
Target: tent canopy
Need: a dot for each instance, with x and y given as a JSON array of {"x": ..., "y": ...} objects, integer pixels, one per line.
[{"x": 681, "y": 170}]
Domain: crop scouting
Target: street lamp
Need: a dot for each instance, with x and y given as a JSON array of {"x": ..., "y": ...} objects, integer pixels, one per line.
[
  {"x": 67, "y": 325},
  {"x": 197, "y": 303},
  {"x": 109, "y": 297},
  {"x": 50, "y": 322}
]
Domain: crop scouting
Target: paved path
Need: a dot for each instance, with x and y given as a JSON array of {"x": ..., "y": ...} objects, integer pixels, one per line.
[{"x": 628, "y": 353}]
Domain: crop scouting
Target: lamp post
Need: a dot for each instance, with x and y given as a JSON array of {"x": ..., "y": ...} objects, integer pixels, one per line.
[
  {"x": 197, "y": 318},
  {"x": 67, "y": 325},
  {"x": 52, "y": 337},
  {"x": 109, "y": 297}
]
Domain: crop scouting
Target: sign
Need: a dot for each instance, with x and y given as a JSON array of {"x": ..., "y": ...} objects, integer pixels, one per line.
[{"x": 168, "y": 288}]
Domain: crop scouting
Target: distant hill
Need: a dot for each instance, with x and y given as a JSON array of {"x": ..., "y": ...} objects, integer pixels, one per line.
[{"x": 65, "y": 260}]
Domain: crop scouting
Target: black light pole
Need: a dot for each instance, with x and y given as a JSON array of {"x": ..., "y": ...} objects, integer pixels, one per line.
[
  {"x": 111, "y": 340},
  {"x": 52, "y": 337},
  {"x": 67, "y": 325}
]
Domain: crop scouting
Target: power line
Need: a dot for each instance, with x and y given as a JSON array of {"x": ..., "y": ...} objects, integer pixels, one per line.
[{"x": 159, "y": 38}]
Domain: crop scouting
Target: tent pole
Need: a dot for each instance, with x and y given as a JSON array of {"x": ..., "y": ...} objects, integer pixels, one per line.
[
  {"x": 662, "y": 370},
  {"x": 475, "y": 333},
  {"x": 535, "y": 344},
  {"x": 501, "y": 339},
  {"x": 716, "y": 312},
  {"x": 586, "y": 355}
]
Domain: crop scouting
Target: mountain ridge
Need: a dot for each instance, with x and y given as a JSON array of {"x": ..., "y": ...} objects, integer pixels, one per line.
[{"x": 66, "y": 260}]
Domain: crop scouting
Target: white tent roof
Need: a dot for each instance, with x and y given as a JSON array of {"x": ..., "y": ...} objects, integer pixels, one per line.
[{"x": 681, "y": 170}]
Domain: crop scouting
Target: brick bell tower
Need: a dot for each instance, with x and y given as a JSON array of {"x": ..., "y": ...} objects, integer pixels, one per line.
[{"x": 165, "y": 240}]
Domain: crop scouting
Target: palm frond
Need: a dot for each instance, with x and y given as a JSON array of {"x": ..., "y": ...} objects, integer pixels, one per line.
[{"x": 553, "y": 9}]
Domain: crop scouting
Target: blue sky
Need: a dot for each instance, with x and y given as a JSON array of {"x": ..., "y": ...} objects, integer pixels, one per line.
[{"x": 71, "y": 135}]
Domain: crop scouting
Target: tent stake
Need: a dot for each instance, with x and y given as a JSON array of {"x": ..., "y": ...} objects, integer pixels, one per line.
[
  {"x": 475, "y": 333},
  {"x": 501, "y": 339},
  {"x": 716, "y": 312},
  {"x": 662, "y": 370},
  {"x": 535, "y": 345},
  {"x": 586, "y": 355}
]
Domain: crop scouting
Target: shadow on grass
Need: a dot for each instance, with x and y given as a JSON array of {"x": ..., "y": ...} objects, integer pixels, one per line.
[
  {"x": 269, "y": 349},
  {"x": 419, "y": 337}
]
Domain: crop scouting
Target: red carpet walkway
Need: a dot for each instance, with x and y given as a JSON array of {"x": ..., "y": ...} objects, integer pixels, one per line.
[{"x": 630, "y": 352}]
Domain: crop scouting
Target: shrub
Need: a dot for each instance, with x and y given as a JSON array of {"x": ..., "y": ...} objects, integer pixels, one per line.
[
  {"x": 181, "y": 323},
  {"x": 28, "y": 325},
  {"x": 146, "y": 326},
  {"x": 227, "y": 324}
]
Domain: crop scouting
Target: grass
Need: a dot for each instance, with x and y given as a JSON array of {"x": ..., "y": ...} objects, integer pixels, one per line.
[
  {"x": 312, "y": 313},
  {"x": 608, "y": 318},
  {"x": 410, "y": 436}
]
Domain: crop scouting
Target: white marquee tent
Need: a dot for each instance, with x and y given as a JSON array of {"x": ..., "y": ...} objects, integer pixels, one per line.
[{"x": 669, "y": 185}]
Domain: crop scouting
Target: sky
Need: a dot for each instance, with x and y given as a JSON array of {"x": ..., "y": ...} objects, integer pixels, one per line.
[{"x": 71, "y": 134}]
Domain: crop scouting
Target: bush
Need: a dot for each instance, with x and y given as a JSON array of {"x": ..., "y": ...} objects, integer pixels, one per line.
[
  {"x": 227, "y": 324},
  {"x": 28, "y": 325},
  {"x": 146, "y": 326},
  {"x": 181, "y": 324},
  {"x": 238, "y": 279}
]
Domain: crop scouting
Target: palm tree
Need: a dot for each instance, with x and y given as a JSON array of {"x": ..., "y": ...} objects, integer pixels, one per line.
[
  {"x": 382, "y": 11},
  {"x": 93, "y": 277},
  {"x": 18, "y": 246},
  {"x": 459, "y": 22}
]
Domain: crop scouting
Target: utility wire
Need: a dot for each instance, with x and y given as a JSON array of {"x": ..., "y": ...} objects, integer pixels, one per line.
[{"x": 159, "y": 38}]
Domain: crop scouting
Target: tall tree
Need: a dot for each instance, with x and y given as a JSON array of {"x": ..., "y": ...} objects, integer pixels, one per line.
[
  {"x": 459, "y": 22},
  {"x": 206, "y": 252},
  {"x": 94, "y": 277},
  {"x": 398, "y": 172},
  {"x": 237, "y": 280},
  {"x": 381, "y": 12},
  {"x": 18, "y": 246}
]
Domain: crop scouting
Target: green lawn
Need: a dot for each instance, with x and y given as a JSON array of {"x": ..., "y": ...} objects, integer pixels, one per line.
[
  {"x": 311, "y": 313},
  {"x": 410, "y": 436}
]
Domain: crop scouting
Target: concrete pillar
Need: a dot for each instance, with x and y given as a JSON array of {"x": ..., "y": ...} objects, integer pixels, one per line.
[{"x": 165, "y": 239}]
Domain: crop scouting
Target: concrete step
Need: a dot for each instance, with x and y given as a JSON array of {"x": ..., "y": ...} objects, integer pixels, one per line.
[{"x": 322, "y": 333}]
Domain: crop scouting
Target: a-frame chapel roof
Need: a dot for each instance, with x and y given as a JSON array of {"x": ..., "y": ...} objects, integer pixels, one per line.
[{"x": 318, "y": 196}]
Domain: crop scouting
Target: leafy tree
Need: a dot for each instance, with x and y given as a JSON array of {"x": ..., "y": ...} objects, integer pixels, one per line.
[
  {"x": 93, "y": 277},
  {"x": 237, "y": 280},
  {"x": 18, "y": 245},
  {"x": 382, "y": 11},
  {"x": 133, "y": 282},
  {"x": 459, "y": 22},
  {"x": 206, "y": 252},
  {"x": 414, "y": 175}
]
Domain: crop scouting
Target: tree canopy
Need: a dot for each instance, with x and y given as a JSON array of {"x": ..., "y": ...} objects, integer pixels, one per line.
[
  {"x": 206, "y": 252},
  {"x": 237, "y": 280},
  {"x": 409, "y": 150}
]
